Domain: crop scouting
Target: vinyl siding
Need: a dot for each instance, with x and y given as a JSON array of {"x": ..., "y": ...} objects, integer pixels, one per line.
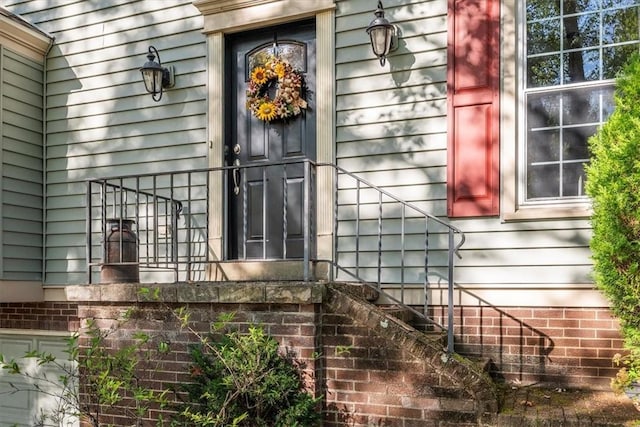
[
  {"x": 392, "y": 131},
  {"x": 22, "y": 166},
  {"x": 100, "y": 121}
]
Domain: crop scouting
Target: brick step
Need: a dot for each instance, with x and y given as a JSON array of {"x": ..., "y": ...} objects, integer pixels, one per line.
[
  {"x": 361, "y": 290},
  {"x": 431, "y": 385},
  {"x": 484, "y": 363},
  {"x": 399, "y": 312}
]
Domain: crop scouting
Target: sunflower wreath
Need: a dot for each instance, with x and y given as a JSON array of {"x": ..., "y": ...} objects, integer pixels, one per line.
[{"x": 287, "y": 102}]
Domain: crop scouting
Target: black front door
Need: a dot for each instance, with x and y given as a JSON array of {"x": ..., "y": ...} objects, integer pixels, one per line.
[{"x": 266, "y": 198}]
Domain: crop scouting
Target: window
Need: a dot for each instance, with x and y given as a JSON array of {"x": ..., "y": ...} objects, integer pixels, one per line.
[{"x": 573, "y": 50}]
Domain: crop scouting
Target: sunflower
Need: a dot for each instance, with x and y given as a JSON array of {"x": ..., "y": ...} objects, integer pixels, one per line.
[
  {"x": 259, "y": 75},
  {"x": 280, "y": 69},
  {"x": 266, "y": 111}
]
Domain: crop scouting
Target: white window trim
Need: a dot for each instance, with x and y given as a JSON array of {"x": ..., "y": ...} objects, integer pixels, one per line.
[{"x": 512, "y": 129}]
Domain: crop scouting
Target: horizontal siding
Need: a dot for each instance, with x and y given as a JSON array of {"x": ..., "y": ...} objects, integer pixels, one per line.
[
  {"x": 100, "y": 121},
  {"x": 21, "y": 204},
  {"x": 392, "y": 131}
]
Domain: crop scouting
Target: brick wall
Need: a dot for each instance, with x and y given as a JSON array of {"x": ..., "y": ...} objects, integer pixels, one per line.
[
  {"x": 49, "y": 316},
  {"x": 369, "y": 371},
  {"x": 368, "y": 374},
  {"x": 292, "y": 324},
  {"x": 559, "y": 346},
  {"x": 371, "y": 380}
]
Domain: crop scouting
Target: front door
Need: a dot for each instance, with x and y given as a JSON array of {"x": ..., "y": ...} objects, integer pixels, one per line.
[{"x": 266, "y": 193}]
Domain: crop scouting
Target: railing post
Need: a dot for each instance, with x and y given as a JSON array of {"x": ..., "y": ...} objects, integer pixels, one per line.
[
  {"x": 334, "y": 266},
  {"x": 450, "y": 295},
  {"x": 425, "y": 309},
  {"x": 285, "y": 198},
  {"x": 188, "y": 225},
  {"x": 307, "y": 222},
  {"x": 379, "y": 240},
  {"x": 88, "y": 231},
  {"x": 103, "y": 214}
]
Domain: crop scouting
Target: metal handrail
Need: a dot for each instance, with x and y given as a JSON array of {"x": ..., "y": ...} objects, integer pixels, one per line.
[
  {"x": 452, "y": 248},
  {"x": 178, "y": 203}
]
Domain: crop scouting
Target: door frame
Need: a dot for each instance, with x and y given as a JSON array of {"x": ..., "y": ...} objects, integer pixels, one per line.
[{"x": 239, "y": 15}]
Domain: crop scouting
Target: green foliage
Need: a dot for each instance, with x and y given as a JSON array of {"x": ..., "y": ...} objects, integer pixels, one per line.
[
  {"x": 243, "y": 380},
  {"x": 629, "y": 370},
  {"x": 238, "y": 379},
  {"x": 93, "y": 378},
  {"x": 613, "y": 182}
]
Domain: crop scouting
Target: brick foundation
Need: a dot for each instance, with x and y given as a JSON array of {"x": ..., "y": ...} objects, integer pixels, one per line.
[
  {"x": 48, "y": 316},
  {"x": 369, "y": 372},
  {"x": 293, "y": 325},
  {"x": 569, "y": 347}
]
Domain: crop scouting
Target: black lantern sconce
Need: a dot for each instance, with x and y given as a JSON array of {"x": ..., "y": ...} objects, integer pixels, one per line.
[
  {"x": 383, "y": 34},
  {"x": 155, "y": 76}
]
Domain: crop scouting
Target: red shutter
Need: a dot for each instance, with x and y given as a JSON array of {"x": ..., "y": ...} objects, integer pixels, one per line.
[{"x": 473, "y": 167}]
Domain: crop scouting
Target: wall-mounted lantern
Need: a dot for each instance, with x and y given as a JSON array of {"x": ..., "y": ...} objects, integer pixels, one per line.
[
  {"x": 155, "y": 76},
  {"x": 383, "y": 34}
]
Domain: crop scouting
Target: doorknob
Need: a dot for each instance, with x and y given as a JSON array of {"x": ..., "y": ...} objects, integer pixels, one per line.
[{"x": 237, "y": 149}]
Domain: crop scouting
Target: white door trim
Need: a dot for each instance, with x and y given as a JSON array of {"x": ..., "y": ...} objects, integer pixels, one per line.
[{"x": 229, "y": 16}]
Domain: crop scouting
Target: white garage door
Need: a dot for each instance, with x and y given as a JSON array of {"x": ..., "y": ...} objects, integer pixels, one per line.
[{"x": 23, "y": 408}]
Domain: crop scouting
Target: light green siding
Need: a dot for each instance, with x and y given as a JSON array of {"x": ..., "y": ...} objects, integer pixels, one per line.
[
  {"x": 100, "y": 121},
  {"x": 392, "y": 130},
  {"x": 22, "y": 165}
]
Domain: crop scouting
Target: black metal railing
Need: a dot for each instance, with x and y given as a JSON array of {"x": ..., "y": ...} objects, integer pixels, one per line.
[
  {"x": 378, "y": 239},
  {"x": 382, "y": 241}
]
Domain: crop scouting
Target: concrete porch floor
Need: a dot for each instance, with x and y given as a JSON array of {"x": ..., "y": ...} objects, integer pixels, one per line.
[{"x": 540, "y": 406}]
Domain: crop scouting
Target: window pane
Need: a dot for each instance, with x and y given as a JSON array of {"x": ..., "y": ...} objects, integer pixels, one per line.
[
  {"x": 573, "y": 178},
  {"x": 574, "y": 143},
  {"x": 581, "y": 31},
  {"x": 543, "y": 71},
  {"x": 293, "y": 52},
  {"x": 620, "y": 25},
  {"x": 581, "y": 106},
  {"x": 608, "y": 103},
  {"x": 618, "y": 3},
  {"x": 540, "y": 9},
  {"x": 543, "y": 110},
  {"x": 543, "y": 181},
  {"x": 614, "y": 58},
  {"x": 544, "y": 146},
  {"x": 577, "y": 6},
  {"x": 582, "y": 66},
  {"x": 543, "y": 36}
]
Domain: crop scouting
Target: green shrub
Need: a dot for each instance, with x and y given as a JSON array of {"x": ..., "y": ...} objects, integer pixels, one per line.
[
  {"x": 243, "y": 380},
  {"x": 613, "y": 182},
  {"x": 93, "y": 378}
]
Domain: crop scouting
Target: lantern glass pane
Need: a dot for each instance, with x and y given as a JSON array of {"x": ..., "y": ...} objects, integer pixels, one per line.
[
  {"x": 380, "y": 40},
  {"x": 152, "y": 80}
]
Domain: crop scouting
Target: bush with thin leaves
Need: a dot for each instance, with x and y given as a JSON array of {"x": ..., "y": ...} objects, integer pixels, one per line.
[
  {"x": 244, "y": 380},
  {"x": 613, "y": 182}
]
